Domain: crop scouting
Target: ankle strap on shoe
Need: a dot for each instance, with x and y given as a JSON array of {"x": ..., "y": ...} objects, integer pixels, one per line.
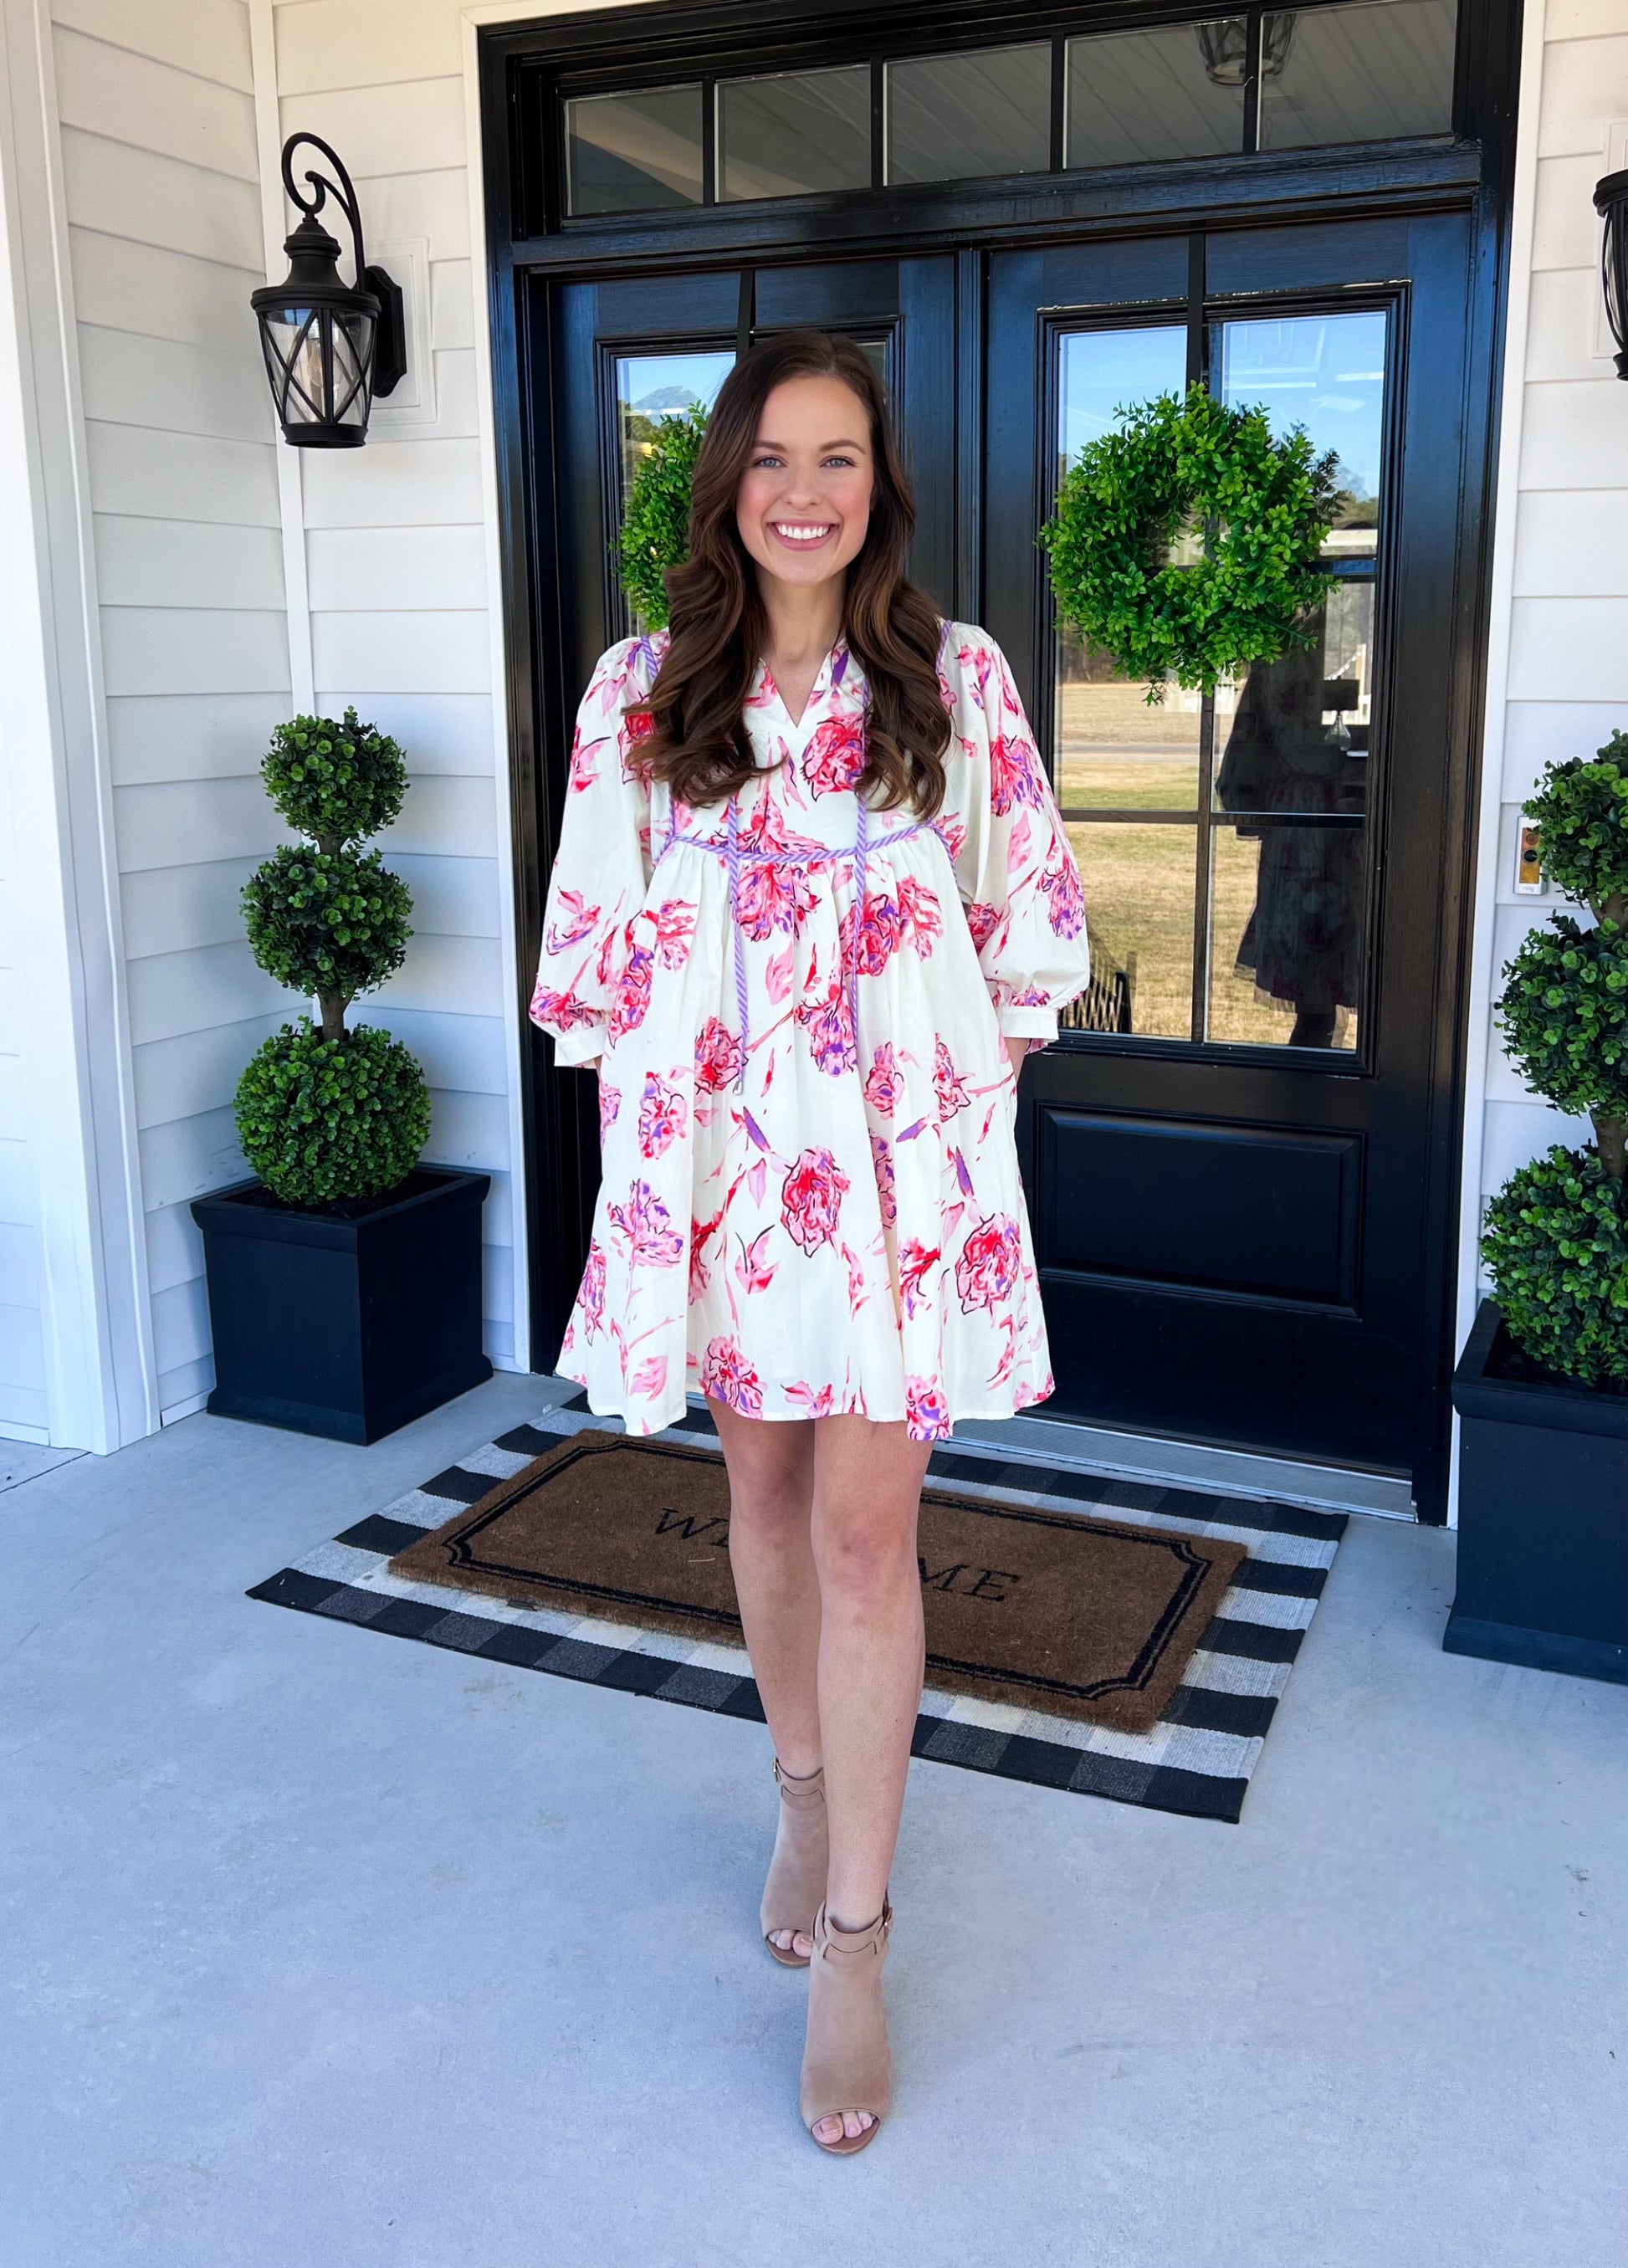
[
  {"x": 852, "y": 1944},
  {"x": 809, "y": 1787}
]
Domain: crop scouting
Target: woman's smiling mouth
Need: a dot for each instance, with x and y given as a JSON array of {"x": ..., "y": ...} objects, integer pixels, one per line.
[{"x": 801, "y": 532}]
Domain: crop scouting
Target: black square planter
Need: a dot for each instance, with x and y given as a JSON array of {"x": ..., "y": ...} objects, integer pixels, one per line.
[
  {"x": 345, "y": 1328},
  {"x": 1543, "y": 1515}
]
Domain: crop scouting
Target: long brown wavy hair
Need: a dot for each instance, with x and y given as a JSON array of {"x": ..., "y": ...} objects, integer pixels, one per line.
[{"x": 698, "y": 744}]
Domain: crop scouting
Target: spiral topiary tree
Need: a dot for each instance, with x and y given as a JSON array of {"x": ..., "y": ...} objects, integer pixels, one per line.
[
  {"x": 325, "y": 1113},
  {"x": 1555, "y": 1240}
]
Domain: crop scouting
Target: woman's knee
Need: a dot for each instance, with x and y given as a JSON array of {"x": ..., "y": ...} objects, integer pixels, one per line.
[{"x": 865, "y": 1548}]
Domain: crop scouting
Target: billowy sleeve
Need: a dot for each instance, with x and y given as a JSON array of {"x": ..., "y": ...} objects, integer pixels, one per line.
[
  {"x": 601, "y": 871},
  {"x": 1014, "y": 866}
]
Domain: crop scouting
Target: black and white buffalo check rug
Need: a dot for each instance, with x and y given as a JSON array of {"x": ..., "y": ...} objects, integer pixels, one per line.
[{"x": 1197, "y": 1760}]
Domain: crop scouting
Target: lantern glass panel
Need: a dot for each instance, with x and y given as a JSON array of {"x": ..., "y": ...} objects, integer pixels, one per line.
[{"x": 322, "y": 363}]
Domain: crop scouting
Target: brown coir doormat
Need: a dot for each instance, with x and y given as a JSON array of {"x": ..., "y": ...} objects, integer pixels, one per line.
[{"x": 1078, "y": 1617}]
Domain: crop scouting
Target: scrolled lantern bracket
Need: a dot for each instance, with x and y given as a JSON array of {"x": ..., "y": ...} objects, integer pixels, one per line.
[{"x": 331, "y": 347}]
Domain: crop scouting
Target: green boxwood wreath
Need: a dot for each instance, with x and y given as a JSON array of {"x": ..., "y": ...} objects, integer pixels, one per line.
[
  {"x": 1264, "y": 505},
  {"x": 655, "y": 517}
]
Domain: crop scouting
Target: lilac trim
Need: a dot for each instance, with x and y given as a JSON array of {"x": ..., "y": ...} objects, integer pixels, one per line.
[
  {"x": 733, "y": 859},
  {"x": 735, "y": 854},
  {"x": 861, "y": 851}
]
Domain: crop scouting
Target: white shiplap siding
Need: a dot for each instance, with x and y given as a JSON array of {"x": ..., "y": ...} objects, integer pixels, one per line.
[
  {"x": 396, "y": 549},
  {"x": 1564, "y": 610},
  {"x": 161, "y": 173}
]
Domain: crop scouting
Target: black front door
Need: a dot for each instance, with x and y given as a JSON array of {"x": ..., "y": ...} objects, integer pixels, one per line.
[
  {"x": 1233, "y": 1163},
  {"x": 1235, "y": 1155}
]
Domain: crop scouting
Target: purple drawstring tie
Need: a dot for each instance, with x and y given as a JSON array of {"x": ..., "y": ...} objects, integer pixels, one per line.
[{"x": 735, "y": 854}]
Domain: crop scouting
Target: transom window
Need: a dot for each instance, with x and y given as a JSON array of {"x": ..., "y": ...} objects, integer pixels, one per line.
[{"x": 1357, "y": 70}]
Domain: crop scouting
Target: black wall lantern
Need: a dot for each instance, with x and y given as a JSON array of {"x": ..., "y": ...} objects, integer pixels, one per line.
[
  {"x": 329, "y": 347},
  {"x": 1610, "y": 202}
]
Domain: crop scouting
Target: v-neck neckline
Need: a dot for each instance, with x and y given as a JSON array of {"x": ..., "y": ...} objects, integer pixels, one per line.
[{"x": 823, "y": 679}]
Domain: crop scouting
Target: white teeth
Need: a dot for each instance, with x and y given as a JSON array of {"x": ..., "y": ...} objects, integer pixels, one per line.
[{"x": 801, "y": 534}]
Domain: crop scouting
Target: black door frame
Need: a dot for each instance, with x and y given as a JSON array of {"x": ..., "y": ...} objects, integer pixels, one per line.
[{"x": 522, "y": 71}]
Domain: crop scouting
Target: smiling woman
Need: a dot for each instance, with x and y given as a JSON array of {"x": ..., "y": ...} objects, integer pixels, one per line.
[{"x": 812, "y": 903}]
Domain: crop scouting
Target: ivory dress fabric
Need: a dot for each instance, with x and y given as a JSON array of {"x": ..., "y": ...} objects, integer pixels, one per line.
[{"x": 810, "y": 1201}]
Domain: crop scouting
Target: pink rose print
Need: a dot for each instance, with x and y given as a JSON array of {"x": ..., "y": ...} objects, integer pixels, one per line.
[
  {"x": 883, "y": 1081},
  {"x": 771, "y": 898},
  {"x": 920, "y": 914},
  {"x": 952, "y": 833},
  {"x": 811, "y": 1198},
  {"x": 727, "y": 1376},
  {"x": 701, "y": 1234},
  {"x": 882, "y": 1158},
  {"x": 916, "y": 1263},
  {"x": 829, "y": 1025},
  {"x": 947, "y": 1084},
  {"x": 648, "y": 1227},
  {"x": 988, "y": 1263},
  {"x": 584, "y": 771},
  {"x": 573, "y": 920},
  {"x": 1014, "y": 777},
  {"x": 591, "y": 1296},
  {"x": 926, "y": 1412},
  {"x": 1061, "y": 884},
  {"x": 628, "y": 1010},
  {"x": 675, "y": 927},
  {"x": 559, "y": 1011},
  {"x": 717, "y": 1057},
  {"x": 661, "y": 1114},
  {"x": 637, "y": 725},
  {"x": 870, "y": 935},
  {"x": 983, "y": 921},
  {"x": 610, "y": 1103},
  {"x": 815, "y": 1401},
  {"x": 835, "y": 755}
]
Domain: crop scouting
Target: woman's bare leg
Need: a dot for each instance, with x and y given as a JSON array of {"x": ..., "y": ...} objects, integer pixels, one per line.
[
  {"x": 772, "y": 1470},
  {"x": 867, "y": 1482}
]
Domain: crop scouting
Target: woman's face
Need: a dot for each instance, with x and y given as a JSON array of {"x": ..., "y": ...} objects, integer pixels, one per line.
[{"x": 804, "y": 502}]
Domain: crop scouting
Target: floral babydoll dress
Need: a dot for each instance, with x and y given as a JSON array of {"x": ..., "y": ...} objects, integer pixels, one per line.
[{"x": 798, "y": 1001}]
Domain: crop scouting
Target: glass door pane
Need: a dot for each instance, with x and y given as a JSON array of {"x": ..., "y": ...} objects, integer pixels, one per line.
[{"x": 1223, "y": 837}]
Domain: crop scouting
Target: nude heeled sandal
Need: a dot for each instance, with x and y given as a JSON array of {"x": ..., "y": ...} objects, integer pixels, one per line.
[
  {"x": 846, "y": 2062},
  {"x": 796, "y": 1883}
]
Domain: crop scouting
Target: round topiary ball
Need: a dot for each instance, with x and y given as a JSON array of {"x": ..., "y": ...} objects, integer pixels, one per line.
[
  {"x": 1556, "y": 1245},
  {"x": 338, "y": 780},
  {"x": 1563, "y": 1014},
  {"x": 322, "y": 1120},
  {"x": 326, "y": 921}
]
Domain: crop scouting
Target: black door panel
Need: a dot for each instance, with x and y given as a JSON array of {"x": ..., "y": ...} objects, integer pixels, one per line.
[{"x": 1250, "y": 1209}]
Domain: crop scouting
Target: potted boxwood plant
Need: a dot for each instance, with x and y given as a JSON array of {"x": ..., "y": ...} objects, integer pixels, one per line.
[
  {"x": 344, "y": 1279},
  {"x": 1542, "y": 1389}
]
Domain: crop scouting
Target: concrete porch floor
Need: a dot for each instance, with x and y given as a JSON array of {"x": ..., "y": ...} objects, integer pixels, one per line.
[{"x": 326, "y": 1950}]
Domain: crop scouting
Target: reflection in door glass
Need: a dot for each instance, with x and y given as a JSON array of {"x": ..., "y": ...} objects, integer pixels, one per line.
[
  {"x": 1140, "y": 891},
  {"x": 1286, "y": 893},
  {"x": 1326, "y": 373},
  {"x": 950, "y": 117},
  {"x": 1113, "y": 750},
  {"x": 789, "y": 133},
  {"x": 633, "y": 153},
  {"x": 1286, "y": 929},
  {"x": 652, "y": 386}
]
